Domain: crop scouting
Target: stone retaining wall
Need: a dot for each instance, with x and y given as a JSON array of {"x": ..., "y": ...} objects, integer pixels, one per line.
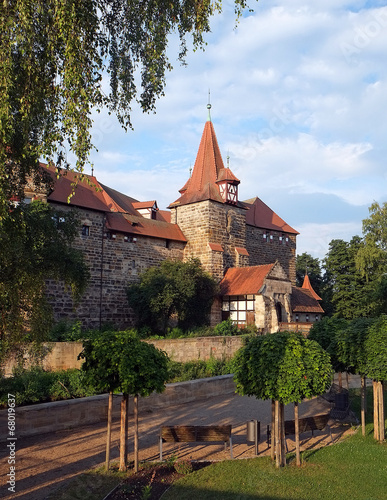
[
  {"x": 63, "y": 355},
  {"x": 60, "y": 415}
]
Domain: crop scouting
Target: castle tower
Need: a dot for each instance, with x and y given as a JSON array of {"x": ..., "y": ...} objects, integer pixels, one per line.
[{"x": 209, "y": 212}]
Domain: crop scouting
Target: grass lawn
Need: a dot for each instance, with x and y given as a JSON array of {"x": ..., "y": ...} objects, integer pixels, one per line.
[{"x": 355, "y": 469}]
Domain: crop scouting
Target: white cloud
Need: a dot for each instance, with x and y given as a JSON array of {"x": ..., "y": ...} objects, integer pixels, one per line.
[{"x": 315, "y": 238}]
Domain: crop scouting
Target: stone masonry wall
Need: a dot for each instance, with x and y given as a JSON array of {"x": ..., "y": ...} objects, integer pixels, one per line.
[
  {"x": 63, "y": 355},
  {"x": 211, "y": 222},
  {"x": 113, "y": 264},
  {"x": 268, "y": 250}
]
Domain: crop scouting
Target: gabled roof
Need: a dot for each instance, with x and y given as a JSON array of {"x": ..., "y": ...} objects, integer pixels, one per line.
[
  {"x": 138, "y": 225},
  {"x": 121, "y": 213},
  {"x": 208, "y": 169},
  {"x": 244, "y": 280},
  {"x": 304, "y": 302},
  {"x": 307, "y": 285},
  {"x": 260, "y": 215}
]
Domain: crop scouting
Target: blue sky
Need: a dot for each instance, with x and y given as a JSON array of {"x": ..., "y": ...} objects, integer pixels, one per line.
[{"x": 299, "y": 103}]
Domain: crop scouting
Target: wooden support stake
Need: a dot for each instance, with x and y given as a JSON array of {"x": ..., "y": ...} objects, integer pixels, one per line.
[
  {"x": 272, "y": 436},
  {"x": 381, "y": 412},
  {"x": 136, "y": 433},
  {"x": 277, "y": 436},
  {"x": 376, "y": 409},
  {"x": 297, "y": 431},
  {"x": 124, "y": 433},
  {"x": 283, "y": 442},
  {"x": 363, "y": 405},
  {"x": 109, "y": 430}
]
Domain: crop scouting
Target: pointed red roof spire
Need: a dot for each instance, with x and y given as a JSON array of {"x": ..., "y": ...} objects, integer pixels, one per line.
[
  {"x": 308, "y": 286},
  {"x": 207, "y": 171}
]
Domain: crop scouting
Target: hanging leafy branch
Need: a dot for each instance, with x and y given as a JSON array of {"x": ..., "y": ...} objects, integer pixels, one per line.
[
  {"x": 62, "y": 59},
  {"x": 35, "y": 247}
]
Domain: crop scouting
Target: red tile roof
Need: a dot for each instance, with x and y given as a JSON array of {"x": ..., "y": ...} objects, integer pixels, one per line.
[
  {"x": 244, "y": 280},
  {"x": 208, "y": 169},
  {"x": 241, "y": 251},
  {"x": 121, "y": 215},
  {"x": 138, "y": 225},
  {"x": 260, "y": 215},
  {"x": 216, "y": 247},
  {"x": 308, "y": 286},
  {"x": 303, "y": 301}
]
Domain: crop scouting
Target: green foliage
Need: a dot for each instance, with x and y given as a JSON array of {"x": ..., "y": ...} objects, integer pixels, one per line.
[
  {"x": 351, "y": 293},
  {"x": 38, "y": 386},
  {"x": 326, "y": 333},
  {"x": 176, "y": 288},
  {"x": 226, "y": 328},
  {"x": 350, "y": 345},
  {"x": 36, "y": 246},
  {"x": 306, "y": 264},
  {"x": 192, "y": 370},
  {"x": 54, "y": 55},
  {"x": 183, "y": 466},
  {"x": 284, "y": 366},
  {"x": 121, "y": 361},
  {"x": 376, "y": 350}
]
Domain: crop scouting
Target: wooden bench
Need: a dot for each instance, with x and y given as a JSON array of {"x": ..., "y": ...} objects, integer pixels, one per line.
[
  {"x": 305, "y": 424},
  {"x": 195, "y": 434}
]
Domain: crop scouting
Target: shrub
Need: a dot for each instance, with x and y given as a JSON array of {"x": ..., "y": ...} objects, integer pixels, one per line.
[{"x": 226, "y": 328}]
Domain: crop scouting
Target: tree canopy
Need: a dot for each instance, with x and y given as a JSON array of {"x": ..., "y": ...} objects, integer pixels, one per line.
[
  {"x": 35, "y": 246},
  {"x": 176, "y": 288},
  {"x": 120, "y": 361},
  {"x": 351, "y": 292},
  {"x": 284, "y": 366},
  {"x": 60, "y": 60}
]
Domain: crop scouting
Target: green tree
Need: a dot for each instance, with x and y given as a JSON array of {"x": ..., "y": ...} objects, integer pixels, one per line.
[
  {"x": 35, "y": 247},
  {"x": 376, "y": 368},
  {"x": 61, "y": 59},
  {"x": 119, "y": 361},
  {"x": 350, "y": 291},
  {"x": 350, "y": 352},
  {"x": 371, "y": 258},
  {"x": 284, "y": 367},
  {"x": 326, "y": 333},
  {"x": 306, "y": 264},
  {"x": 176, "y": 288}
]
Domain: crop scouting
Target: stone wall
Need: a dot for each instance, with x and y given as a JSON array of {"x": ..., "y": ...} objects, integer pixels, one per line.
[
  {"x": 208, "y": 222},
  {"x": 113, "y": 264},
  {"x": 63, "y": 355},
  {"x": 274, "y": 247},
  {"x": 51, "y": 417}
]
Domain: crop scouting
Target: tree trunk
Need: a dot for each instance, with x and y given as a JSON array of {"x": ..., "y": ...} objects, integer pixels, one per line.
[
  {"x": 109, "y": 430},
  {"x": 347, "y": 379},
  {"x": 297, "y": 431},
  {"x": 124, "y": 432},
  {"x": 376, "y": 409},
  {"x": 363, "y": 404},
  {"x": 340, "y": 380},
  {"x": 381, "y": 412},
  {"x": 272, "y": 439},
  {"x": 277, "y": 436},
  {"x": 283, "y": 442},
  {"x": 136, "y": 433}
]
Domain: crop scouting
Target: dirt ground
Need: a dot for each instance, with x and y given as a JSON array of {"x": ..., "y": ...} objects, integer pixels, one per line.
[{"x": 44, "y": 463}]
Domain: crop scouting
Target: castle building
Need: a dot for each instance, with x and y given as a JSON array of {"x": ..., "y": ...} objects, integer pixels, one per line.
[{"x": 246, "y": 246}]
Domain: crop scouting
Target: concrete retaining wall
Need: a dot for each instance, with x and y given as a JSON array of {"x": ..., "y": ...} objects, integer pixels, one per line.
[
  {"x": 51, "y": 417},
  {"x": 63, "y": 355}
]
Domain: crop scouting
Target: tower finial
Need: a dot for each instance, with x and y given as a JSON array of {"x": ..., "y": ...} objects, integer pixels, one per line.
[{"x": 209, "y": 105}]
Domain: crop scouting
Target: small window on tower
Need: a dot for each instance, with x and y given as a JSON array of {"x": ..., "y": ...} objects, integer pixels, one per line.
[{"x": 85, "y": 230}]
